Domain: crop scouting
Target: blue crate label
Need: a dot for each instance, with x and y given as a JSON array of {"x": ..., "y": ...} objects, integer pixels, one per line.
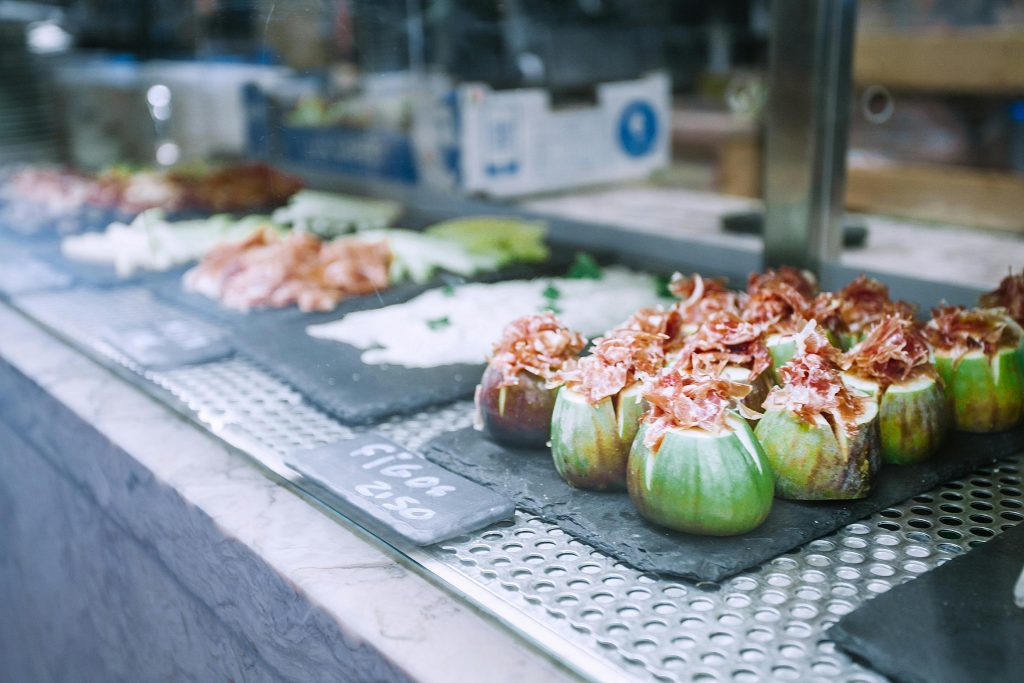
[
  {"x": 169, "y": 343},
  {"x": 372, "y": 477}
]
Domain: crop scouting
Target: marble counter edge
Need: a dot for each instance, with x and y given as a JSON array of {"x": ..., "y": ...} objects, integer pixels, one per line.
[{"x": 173, "y": 488}]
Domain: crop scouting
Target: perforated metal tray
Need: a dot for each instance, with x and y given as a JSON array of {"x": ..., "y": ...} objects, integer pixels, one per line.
[{"x": 603, "y": 619}]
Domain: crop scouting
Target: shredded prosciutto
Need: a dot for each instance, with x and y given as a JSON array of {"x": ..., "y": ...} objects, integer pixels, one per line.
[
  {"x": 650, "y": 320},
  {"x": 893, "y": 351},
  {"x": 801, "y": 280},
  {"x": 684, "y": 401},
  {"x": 724, "y": 339},
  {"x": 615, "y": 362},
  {"x": 865, "y": 302},
  {"x": 826, "y": 309},
  {"x": 538, "y": 344},
  {"x": 1009, "y": 295},
  {"x": 700, "y": 298},
  {"x": 266, "y": 270},
  {"x": 695, "y": 286},
  {"x": 775, "y": 304},
  {"x": 812, "y": 384},
  {"x": 956, "y": 330}
]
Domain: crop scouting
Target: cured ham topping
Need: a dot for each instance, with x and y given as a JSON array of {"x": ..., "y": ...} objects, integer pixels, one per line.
[
  {"x": 683, "y": 401},
  {"x": 812, "y": 384},
  {"x": 958, "y": 330},
  {"x": 724, "y": 340},
  {"x": 614, "y": 363},
  {"x": 801, "y": 280},
  {"x": 894, "y": 350},
  {"x": 650, "y": 320},
  {"x": 775, "y": 304},
  {"x": 700, "y": 298},
  {"x": 826, "y": 309},
  {"x": 865, "y": 302},
  {"x": 265, "y": 270},
  {"x": 1009, "y": 295},
  {"x": 695, "y": 286},
  {"x": 538, "y": 344}
]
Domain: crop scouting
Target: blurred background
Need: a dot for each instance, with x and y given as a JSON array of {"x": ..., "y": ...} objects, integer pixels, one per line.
[{"x": 510, "y": 99}]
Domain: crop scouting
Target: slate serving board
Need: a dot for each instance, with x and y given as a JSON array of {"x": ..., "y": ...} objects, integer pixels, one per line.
[
  {"x": 610, "y": 523},
  {"x": 957, "y": 623},
  {"x": 331, "y": 374},
  {"x": 172, "y": 342},
  {"x": 32, "y": 220},
  {"x": 22, "y": 273},
  {"x": 92, "y": 274}
]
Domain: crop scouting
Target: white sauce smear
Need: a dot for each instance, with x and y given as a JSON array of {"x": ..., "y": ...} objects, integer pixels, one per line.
[{"x": 460, "y": 326}]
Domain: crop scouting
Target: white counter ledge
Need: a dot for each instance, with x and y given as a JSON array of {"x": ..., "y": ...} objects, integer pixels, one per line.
[{"x": 134, "y": 546}]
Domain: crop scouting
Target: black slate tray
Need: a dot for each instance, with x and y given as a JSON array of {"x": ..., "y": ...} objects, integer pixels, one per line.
[
  {"x": 331, "y": 374},
  {"x": 98, "y": 275},
  {"x": 957, "y": 623},
  {"x": 610, "y": 523}
]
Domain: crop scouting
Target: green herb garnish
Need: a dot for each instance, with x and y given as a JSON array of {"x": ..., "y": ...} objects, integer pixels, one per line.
[
  {"x": 661, "y": 286},
  {"x": 439, "y": 323},
  {"x": 551, "y": 294},
  {"x": 584, "y": 267},
  {"x": 448, "y": 290}
]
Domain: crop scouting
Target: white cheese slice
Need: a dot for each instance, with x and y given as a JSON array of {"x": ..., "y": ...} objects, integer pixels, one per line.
[{"x": 445, "y": 327}]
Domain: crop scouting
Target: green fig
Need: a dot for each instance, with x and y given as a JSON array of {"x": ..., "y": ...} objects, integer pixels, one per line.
[
  {"x": 985, "y": 393},
  {"x": 912, "y": 417},
  {"x": 817, "y": 461},
  {"x": 516, "y": 414},
  {"x": 590, "y": 442},
  {"x": 701, "y": 482}
]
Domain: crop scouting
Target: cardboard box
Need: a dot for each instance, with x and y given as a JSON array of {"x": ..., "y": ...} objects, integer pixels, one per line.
[
  {"x": 514, "y": 142},
  {"x": 367, "y": 151}
]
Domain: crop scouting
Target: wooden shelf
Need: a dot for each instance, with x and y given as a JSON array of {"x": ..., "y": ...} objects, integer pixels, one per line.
[
  {"x": 948, "y": 194},
  {"x": 987, "y": 61}
]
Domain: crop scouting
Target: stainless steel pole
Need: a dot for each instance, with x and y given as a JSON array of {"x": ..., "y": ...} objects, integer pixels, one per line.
[{"x": 806, "y": 128}]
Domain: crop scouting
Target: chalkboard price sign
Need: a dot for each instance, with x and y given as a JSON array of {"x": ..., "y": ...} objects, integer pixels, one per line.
[
  {"x": 169, "y": 343},
  {"x": 381, "y": 482}
]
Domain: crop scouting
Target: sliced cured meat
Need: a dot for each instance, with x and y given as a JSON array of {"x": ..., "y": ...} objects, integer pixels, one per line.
[
  {"x": 724, "y": 340},
  {"x": 265, "y": 270},
  {"x": 1009, "y": 295},
  {"x": 958, "y": 330},
  {"x": 615, "y": 362},
  {"x": 684, "y": 401},
  {"x": 894, "y": 350},
  {"x": 538, "y": 344},
  {"x": 865, "y": 302},
  {"x": 802, "y": 281},
  {"x": 699, "y": 298},
  {"x": 778, "y": 301},
  {"x": 812, "y": 384}
]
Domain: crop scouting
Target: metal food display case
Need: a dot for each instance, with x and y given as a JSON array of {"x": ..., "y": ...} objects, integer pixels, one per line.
[{"x": 594, "y": 614}]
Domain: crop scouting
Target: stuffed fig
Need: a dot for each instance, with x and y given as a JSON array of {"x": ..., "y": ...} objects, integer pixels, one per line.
[
  {"x": 598, "y": 408},
  {"x": 820, "y": 437},
  {"x": 893, "y": 364},
  {"x": 977, "y": 354},
  {"x": 513, "y": 400},
  {"x": 695, "y": 465}
]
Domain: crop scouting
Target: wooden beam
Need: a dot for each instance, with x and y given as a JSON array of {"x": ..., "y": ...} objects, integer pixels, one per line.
[
  {"x": 982, "y": 61},
  {"x": 947, "y": 194}
]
